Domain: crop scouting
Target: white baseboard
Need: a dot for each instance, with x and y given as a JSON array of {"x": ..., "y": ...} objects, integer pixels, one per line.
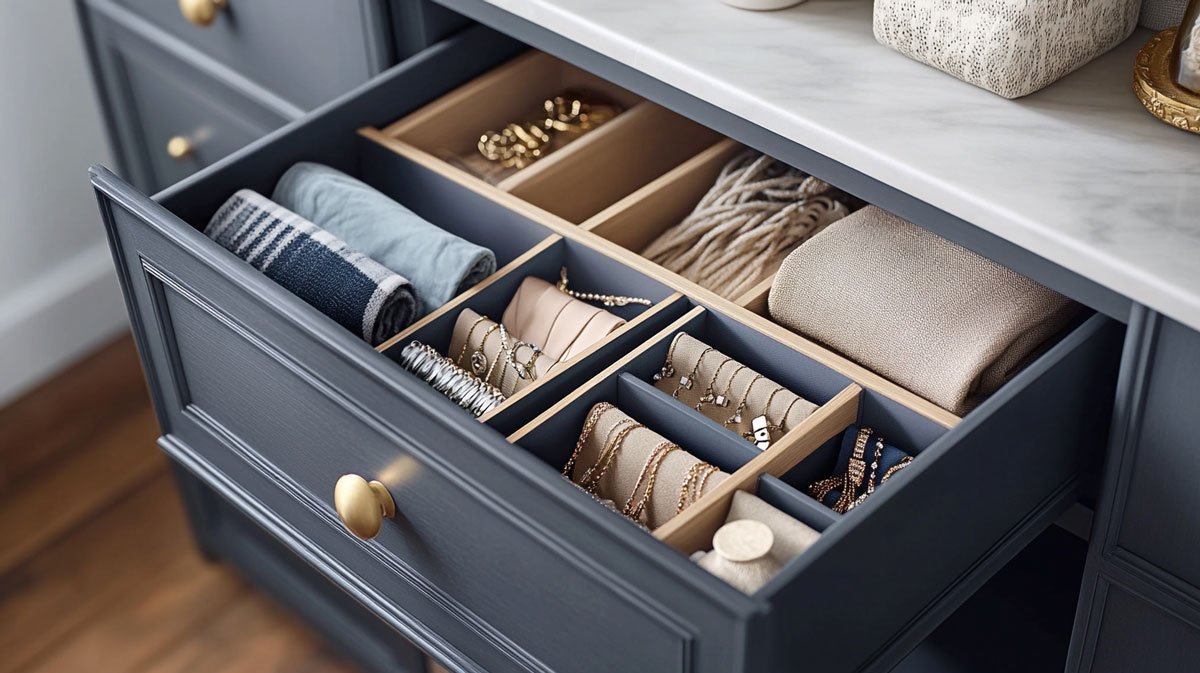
[{"x": 52, "y": 321}]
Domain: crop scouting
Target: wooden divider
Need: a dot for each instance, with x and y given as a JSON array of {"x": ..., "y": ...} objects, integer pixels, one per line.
[
  {"x": 456, "y": 304},
  {"x": 609, "y": 372},
  {"x": 510, "y": 93},
  {"x": 611, "y": 162},
  {"x": 642, "y": 216},
  {"x": 555, "y": 372},
  {"x": 692, "y": 529}
]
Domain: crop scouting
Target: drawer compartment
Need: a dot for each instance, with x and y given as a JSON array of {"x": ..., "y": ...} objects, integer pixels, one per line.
[
  {"x": 495, "y": 561},
  {"x": 306, "y": 52},
  {"x": 171, "y": 117}
]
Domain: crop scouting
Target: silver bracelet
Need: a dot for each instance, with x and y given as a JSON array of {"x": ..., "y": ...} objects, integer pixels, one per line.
[{"x": 463, "y": 388}]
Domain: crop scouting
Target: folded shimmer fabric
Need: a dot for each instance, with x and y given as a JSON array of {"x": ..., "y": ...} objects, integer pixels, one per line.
[
  {"x": 360, "y": 294},
  {"x": 926, "y": 313},
  {"x": 439, "y": 264}
]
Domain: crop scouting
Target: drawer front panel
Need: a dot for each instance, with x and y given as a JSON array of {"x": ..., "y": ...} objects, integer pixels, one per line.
[
  {"x": 229, "y": 535},
  {"x": 1138, "y": 636},
  {"x": 448, "y": 538},
  {"x": 307, "y": 51},
  {"x": 156, "y": 97},
  {"x": 1165, "y": 463}
]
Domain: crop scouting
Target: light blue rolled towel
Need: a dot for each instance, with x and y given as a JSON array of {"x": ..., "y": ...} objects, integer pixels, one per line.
[{"x": 439, "y": 264}]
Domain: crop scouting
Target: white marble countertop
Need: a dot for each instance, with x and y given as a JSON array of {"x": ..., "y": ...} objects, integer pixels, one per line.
[{"x": 1078, "y": 173}]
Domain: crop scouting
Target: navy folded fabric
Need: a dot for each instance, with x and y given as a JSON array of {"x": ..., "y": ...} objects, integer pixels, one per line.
[
  {"x": 359, "y": 293},
  {"x": 440, "y": 265}
]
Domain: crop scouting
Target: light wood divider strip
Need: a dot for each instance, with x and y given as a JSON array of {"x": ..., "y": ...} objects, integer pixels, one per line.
[
  {"x": 611, "y": 162},
  {"x": 611, "y": 371},
  {"x": 586, "y": 353},
  {"x": 855, "y": 372},
  {"x": 457, "y": 303},
  {"x": 565, "y": 158},
  {"x": 453, "y": 122},
  {"x": 692, "y": 529},
  {"x": 755, "y": 299},
  {"x": 636, "y": 220}
]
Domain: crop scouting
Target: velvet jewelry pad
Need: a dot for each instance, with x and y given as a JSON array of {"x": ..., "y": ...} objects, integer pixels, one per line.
[{"x": 721, "y": 375}]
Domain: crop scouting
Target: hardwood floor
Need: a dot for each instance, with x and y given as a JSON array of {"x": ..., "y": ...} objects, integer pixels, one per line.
[{"x": 97, "y": 567}]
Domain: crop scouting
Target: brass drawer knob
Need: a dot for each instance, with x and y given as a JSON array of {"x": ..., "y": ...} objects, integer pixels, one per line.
[
  {"x": 201, "y": 12},
  {"x": 180, "y": 147},
  {"x": 362, "y": 504}
]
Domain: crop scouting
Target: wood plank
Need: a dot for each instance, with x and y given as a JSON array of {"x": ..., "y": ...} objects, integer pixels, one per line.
[
  {"x": 611, "y": 162},
  {"x": 252, "y": 636},
  {"x": 153, "y": 616},
  {"x": 69, "y": 409},
  {"x": 77, "y": 485},
  {"x": 692, "y": 529},
  {"x": 73, "y": 580},
  {"x": 636, "y": 220}
]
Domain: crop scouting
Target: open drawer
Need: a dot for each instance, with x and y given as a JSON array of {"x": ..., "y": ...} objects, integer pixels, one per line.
[{"x": 494, "y": 561}]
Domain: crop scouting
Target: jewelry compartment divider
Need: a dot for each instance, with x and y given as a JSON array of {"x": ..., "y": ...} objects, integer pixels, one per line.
[
  {"x": 575, "y": 181},
  {"x": 553, "y": 433},
  {"x": 589, "y": 271}
]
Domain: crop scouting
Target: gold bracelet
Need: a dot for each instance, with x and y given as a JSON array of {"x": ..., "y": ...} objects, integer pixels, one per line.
[
  {"x": 707, "y": 396},
  {"x": 737, "y": 414},
  {"x": 856, "y": 469},
  {"x": 467, "y": 342},
  {"x": 722, "y": 400},
  {"x": 606, "y": 299},
  {"x": 589, "y": 426},
  {"x": 668, "y": 368},
  {"x": 650, "y": 471},
  {"x": 479, "y": 358},
  {"x": 689, "y": 380}
]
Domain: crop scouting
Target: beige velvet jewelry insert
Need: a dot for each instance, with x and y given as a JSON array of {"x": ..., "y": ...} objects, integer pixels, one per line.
[
  {"x": 720, "y": 385},
  {"x": 475, "y": 345},
  {"x": 631, "y": 457}
]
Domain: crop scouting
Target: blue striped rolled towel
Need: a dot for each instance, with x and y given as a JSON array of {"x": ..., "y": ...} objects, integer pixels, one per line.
[{"x": 357, "y": 292}]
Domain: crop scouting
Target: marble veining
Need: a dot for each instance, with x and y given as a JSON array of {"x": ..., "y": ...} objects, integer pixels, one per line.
[{"x": 1077, "y": 173}]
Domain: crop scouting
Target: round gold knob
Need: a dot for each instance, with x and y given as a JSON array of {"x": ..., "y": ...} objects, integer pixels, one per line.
[
  {"x": 201, "y": 12},
  {"x": 362, "y": 504},
  {"x": 179, "y": 147}
]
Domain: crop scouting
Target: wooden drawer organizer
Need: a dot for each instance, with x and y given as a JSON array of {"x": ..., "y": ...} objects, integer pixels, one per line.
[{"x": 495, "y": 562}]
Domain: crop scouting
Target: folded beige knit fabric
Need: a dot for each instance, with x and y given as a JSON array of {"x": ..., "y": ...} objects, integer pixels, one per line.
[{"x": 926, "y": 313}]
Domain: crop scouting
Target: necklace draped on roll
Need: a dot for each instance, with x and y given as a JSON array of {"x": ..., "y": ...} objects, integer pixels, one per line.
[{"x": 757, "y": 212}]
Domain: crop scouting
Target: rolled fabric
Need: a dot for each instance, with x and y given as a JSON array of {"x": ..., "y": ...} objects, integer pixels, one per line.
[
  {"x": 928, "y": 314},
  {"x": 439, "y": 264},
  {"x": 354, "y": 290}
]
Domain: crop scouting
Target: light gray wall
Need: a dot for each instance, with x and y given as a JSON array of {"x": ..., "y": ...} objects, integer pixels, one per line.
[{"x": 58, "y": 294}]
